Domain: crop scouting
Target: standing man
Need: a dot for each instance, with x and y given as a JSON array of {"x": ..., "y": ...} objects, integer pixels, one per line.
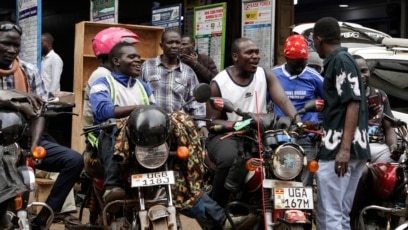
[
  {"x": 315, "y": 62},
  {"x": 202, "y": 64},
  {"x": 345, "y": 148},
  {"x": 116, "y": 96},
  {"x": 24, "y": 77},
  {"x": 172, "y": 83},
  {"x": 301, "y": 84},
  {"x": 51, "y": 70},
  {"x": 51, "y": 64},
  {"x": 240, "y": 84},
  {"x": 171, "y": 80}
]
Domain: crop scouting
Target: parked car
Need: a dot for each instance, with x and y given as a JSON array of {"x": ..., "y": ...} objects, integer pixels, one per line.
[{"x": 387, "y": 58}]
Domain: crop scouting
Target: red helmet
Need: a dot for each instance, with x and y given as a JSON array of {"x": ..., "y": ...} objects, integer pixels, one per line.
[{"x": 103, "y": 41}]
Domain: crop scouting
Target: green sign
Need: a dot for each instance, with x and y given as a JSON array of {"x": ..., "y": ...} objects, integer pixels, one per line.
[
  {"x": 104, "y": 11},
  {"x": 209, "y": 31}
]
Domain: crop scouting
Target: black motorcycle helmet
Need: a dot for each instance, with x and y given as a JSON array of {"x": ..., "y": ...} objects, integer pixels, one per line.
[
  {"x": 148, "y": 126},
  {"x": 12, "y": 126}
]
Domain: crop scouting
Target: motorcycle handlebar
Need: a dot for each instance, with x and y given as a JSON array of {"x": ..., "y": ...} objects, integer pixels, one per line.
[{"x": 110, "y": 123}]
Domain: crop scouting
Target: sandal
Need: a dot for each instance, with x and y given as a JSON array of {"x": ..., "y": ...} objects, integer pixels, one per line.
[{"x": 64, "y": 217}]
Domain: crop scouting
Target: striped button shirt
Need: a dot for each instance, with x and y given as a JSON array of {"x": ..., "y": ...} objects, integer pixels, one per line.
[
  {"x": 34, "y": 80},
  {"x": 172, "y": 87}
]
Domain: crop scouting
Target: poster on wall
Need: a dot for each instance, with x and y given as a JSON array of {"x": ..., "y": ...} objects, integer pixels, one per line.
[
  {"x": 258, "y": 25},
  {"x": 105, "y": 11},
  {"x": 29, "y": 18},
  {"x": 168, "y": 17},
  {"x": 209, "y": 31},
  {"x": 188, "y": 19}
]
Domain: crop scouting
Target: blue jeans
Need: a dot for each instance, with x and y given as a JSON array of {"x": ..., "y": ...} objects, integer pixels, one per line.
[
  {"x": 68, "y": 163},
  {"x": 311, "y": 151},
  {"x": 112, "y": 175},
  {"x": 206, "y": 208}
]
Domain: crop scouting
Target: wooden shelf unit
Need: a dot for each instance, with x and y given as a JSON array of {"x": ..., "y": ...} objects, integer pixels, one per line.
[{"x": 85, "y": 63}]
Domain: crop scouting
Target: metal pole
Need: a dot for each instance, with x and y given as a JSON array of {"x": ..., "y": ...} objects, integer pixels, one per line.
[{"x": 404, "y": 19}]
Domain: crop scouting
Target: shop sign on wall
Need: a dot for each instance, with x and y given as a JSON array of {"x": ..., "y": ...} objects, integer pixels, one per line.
[
  {"x": 105, "y": 11},
  {"x": 257, "y": 24},
  {"x": 29, "y": 18},
  {"x": 168, "y": 17},
  {"x": 209, "y": 31}
]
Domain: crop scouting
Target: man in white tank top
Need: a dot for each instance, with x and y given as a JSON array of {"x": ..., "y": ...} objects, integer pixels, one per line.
[{"x": 245, "y": 84}]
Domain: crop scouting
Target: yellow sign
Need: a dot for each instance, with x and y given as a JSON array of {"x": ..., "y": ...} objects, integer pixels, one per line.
[{"x": 251, "y": 15}]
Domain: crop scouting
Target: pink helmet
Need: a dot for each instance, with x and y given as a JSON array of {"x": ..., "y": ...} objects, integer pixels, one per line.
[{"x": 103, "y": 41}]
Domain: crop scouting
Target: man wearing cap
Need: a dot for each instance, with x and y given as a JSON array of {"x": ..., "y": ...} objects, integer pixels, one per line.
[
  {"x": 315, "y": 62},
  {"x": 301, "y": 84}
]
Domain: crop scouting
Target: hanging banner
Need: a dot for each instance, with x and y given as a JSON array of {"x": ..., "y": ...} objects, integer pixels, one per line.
[
  {"x": 209, "y": 31},
  {"x": 29, "y": 18},
  {"x": 258, "y": 25},
  {"x": 167, "y": 17},
  {"x": 105, "y": 11}
]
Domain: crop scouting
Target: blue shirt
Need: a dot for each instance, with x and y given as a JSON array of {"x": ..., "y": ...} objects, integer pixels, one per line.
[
  {"x": 100, "y": 96},
  {"x": 306, "y": 86}
]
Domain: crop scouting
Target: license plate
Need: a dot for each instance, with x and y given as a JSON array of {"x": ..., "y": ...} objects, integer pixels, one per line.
[
  {"x": 153, "y": 179},
  {"x": 293, "y": 198}
]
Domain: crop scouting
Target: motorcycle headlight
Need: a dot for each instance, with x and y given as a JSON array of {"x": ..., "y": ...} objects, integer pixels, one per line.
[
  {"x": 288, "y": 161},
  {"x": 152, "y": 157}
]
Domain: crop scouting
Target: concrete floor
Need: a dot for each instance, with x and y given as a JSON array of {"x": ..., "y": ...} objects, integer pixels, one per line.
[{"x": 187, "y": 223}]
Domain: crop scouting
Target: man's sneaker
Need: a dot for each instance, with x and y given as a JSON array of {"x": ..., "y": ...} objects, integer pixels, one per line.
[
  {"x": 237, "y": 221},
  {"x": 112, "y": 194}
]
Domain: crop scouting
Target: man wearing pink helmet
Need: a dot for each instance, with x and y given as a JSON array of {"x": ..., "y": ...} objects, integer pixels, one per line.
[{"x": 102, "y": 44}]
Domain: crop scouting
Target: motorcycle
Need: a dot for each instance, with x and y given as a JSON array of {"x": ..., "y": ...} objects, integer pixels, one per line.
[
  {"x": 273, "y": 196},
  {"x": 384, "y": 193},
  {"x": 17, "y": 164},
  {"x": 154, "y": 167}
]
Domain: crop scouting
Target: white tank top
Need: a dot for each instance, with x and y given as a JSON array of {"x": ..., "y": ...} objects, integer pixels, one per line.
[{"x": 244, "y": 97}]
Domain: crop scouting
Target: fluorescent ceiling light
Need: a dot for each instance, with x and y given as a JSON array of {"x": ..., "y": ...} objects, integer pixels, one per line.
[{"x": 343, "y": 5}]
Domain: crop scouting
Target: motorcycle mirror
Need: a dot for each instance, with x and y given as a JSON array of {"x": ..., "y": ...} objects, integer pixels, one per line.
[
  {"x": 202, "y": 92},
  {"x": 315, "y": 105},
  {"x": 222, "y": 104}
]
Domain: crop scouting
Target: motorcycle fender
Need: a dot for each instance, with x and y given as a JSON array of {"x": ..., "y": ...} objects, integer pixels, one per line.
[
  {"x": 171, "y": 219},
  {"x": 144, "y": 221},
  {"x": 28, "y": 176},
  {"x": 157, "y": 212},
  {"x": 295, "y": 216}
]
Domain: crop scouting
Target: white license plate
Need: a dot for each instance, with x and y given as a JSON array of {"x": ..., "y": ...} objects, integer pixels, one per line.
[
  {"x": 152, "y": 179},
  {"x": 293, "y": 198}
]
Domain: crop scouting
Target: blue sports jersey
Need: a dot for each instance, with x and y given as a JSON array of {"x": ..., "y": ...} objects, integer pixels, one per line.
[{"x": 300, "y": 89}]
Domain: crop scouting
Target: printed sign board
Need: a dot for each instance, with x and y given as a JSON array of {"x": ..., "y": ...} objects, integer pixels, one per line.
[
  {"x": 209, "y": 31},
  {"x": 258, "y": 25},
  {"x": 29, "y": 16},
  {"x": 168, "y": 17}
]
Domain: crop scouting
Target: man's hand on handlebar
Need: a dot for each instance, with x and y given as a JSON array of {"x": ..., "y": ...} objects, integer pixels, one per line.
[
  {"x": 36, "y": 101},
  {"x": 203, "y": 132},
  {"x": 311, "y": 125}
]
